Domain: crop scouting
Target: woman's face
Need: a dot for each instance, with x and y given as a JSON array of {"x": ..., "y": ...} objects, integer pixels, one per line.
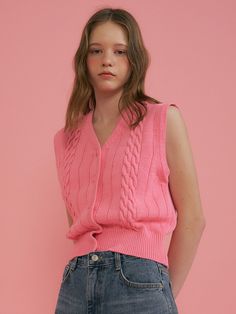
[{"x": 108, "y": 52}]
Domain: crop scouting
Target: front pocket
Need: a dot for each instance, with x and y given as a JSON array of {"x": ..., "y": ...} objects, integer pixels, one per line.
[
  {"x": 140, "y": 274},
  {"x": 70, "y": 266}
]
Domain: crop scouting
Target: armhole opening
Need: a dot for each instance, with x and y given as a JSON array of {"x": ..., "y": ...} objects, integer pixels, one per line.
[{"x": 163, "y": 146}]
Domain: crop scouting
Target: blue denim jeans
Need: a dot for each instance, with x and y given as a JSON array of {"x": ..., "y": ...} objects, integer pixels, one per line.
[{"x": 107, "y": 282}]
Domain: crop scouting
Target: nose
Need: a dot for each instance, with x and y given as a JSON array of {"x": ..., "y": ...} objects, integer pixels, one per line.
[{"x": 107, "y": 58}]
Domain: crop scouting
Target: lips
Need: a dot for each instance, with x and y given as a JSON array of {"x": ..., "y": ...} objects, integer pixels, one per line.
[{"x": 109, "y": 73}]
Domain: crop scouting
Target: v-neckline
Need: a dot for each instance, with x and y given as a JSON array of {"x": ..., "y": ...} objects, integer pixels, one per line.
[{"x": 112, "y": 135}]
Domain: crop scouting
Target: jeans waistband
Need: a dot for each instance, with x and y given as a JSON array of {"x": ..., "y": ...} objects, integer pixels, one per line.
[{"x": 106, "y": 258}]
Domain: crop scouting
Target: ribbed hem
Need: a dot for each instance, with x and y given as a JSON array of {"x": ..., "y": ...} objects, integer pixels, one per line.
[{"x": 144, "y": 244}]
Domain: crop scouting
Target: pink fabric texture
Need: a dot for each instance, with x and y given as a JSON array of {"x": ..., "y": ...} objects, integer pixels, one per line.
[{"x": 117, "y": 194}]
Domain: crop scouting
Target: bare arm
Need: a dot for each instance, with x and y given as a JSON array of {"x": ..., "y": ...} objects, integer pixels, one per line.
[{"x": 185, "y": 193}]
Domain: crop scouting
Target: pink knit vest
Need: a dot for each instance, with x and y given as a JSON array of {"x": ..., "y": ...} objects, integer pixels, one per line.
[{"x": 118, "y": 194}]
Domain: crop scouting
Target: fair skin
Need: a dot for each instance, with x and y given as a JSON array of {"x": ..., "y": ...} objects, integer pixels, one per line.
[
  {"x": 185, "y": 193},
  {"x": 106, "y": 55}
]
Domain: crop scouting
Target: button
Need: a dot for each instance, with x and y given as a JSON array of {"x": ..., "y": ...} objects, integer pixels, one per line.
[{"x": 94, "y": 257}]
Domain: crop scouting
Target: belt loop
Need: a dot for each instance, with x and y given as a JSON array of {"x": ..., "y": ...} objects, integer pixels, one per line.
[
  {"x": 159, "y": 267},
  {"x": 117, "y": 261},
  {"x": 87, "y": 259},
  {"x": 74, "y": 263}
]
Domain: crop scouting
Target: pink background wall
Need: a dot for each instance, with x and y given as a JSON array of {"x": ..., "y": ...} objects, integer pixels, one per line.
[{"x": 192, "y": 45}]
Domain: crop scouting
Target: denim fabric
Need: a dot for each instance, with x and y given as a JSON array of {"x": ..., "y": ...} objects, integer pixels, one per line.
[{"x": 107, "y": 282}]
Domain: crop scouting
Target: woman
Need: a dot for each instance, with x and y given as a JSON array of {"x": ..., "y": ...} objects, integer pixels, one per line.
[{"x": 126, "y": 173}]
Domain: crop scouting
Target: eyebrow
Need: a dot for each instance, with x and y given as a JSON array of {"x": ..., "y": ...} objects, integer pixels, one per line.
[{"x": 116, "y": 44}]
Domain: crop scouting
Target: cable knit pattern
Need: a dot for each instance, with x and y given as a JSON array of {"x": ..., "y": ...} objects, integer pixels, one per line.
[
  {"x": 71, "y": 144},
  {"x": 129, "y": 177},
  {"x": 117, "y": 193}
]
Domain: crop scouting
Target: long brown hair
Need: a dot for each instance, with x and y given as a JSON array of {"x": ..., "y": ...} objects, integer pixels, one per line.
[{"x": 133, "y": 96}]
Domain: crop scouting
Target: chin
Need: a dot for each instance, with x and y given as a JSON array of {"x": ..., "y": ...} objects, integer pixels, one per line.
[{"x": 108, "y": 88}]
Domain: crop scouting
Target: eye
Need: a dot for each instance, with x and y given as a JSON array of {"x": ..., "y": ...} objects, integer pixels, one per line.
[
  {"x": 122, "y": 51},
  {"x": 94, "y": 50}
]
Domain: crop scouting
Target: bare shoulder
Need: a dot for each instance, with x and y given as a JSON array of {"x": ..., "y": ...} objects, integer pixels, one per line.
[
  {"x": 183, "y": 179},
  {"x": 176, "y": 126},
  {"x": 177, "y": 139}
]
